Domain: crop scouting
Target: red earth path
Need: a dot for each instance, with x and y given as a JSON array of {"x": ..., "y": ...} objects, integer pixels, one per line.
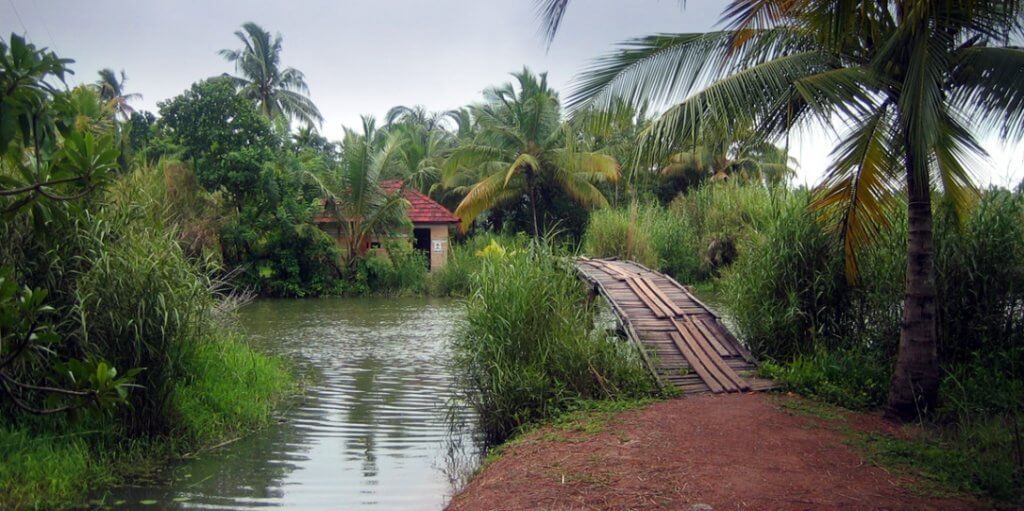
[{"x": 725, "y": 452}]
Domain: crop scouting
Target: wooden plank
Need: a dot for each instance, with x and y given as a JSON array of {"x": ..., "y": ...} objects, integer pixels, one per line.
[
  {"x": 653, "y": 298},
  {"x": 719, "y": 347},
  {"x": 713, "y": 363},
  {"x": 654, "y": 289},
  {"x": 719, "y": 367},
  {"x": 697, "y": 365},
  {"x": 650, "y": 305}
]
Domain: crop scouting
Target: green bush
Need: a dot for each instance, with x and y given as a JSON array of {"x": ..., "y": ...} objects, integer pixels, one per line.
[
  {"x": 647, "y": 234},
  {"x": 724, "y": 215},
  {"x": 123, "y": 290},
  {"x": 402, "y": 270},
  {"x": 786, "y": 291},
  {"x": 141, "y": 304},
  {"x": 526, "y": 351},
  {"x": 465, "y": 260}
]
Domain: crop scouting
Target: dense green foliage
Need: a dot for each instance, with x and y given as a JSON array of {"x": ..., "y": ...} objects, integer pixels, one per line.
[
  {"x": 649, "y": 235},
  {"x": 824, "y": 337},
  {"x": 467, "y": 258},
  {"x": 112, "y": 351},
  {"x": 527, "y": 350}
]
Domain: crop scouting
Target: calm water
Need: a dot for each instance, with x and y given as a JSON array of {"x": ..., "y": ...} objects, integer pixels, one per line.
[{"x": 371, "y": 432}]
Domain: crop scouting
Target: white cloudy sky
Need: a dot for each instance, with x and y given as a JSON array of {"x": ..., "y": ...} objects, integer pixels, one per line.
[{"x": 365, "y": 56}]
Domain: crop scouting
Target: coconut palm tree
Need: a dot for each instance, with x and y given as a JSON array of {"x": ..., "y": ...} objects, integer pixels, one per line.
[
  {"x": 112, "y": 91},
  {"x": 908, "y": 82},
  {"x": 362, "y": 207},
  {"x": 278, "y": 92},
  {"x": 521, "y": 152}
]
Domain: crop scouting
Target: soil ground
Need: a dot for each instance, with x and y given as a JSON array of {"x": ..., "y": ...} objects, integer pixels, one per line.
[{"x": 736, "y": 452}]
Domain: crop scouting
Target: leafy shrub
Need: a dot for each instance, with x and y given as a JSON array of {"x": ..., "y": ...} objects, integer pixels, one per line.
[
  {"x": 402, "y": 270},
  {"x": 465, "y": 259},
  {"x": 141, "y": 304},
  {"x": 979, "y": 277},
  {"x": 123, "y": 290},
  {"x": 526, "y": 351},
  {"x": 726, "y": 214}
]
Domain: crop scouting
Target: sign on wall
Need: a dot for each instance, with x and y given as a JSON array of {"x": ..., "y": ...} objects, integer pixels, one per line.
[{"x": 438, "y": 246}]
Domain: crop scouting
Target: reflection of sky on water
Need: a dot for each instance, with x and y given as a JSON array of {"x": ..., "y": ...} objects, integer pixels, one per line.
[{"x": 371, "y": 432}]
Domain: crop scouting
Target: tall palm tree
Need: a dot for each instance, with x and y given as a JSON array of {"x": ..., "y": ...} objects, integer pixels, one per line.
[
  {"x": 112, "y": 91},
  {"x": 278, "y": 92},
  {"x": 910, "y": 83},
  {"x": 421, "y": 155},
  {"x": 361, "y": 206},
  {"x": 522, "y": 151}
]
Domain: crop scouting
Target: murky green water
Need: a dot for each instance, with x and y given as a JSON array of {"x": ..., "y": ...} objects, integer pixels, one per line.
[{"x": 371, "y": 432}]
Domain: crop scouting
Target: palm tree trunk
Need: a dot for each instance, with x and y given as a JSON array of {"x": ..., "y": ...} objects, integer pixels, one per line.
[{"x": 915, "y": 380}]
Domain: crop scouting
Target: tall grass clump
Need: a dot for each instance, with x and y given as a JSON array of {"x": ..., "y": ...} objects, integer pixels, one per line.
[
  {"x": 785, "y": 292},
  {"x": 526, "y": 351},
  {"x": 647, "y": 234},
  {"x": 723, "y": 215}
]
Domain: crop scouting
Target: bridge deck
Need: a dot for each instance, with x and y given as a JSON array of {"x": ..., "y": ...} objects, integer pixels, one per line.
[{"x": 685, "y": 343}]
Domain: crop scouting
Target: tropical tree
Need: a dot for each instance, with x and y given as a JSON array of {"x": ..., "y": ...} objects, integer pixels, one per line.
[
  {"x": 743, "y": 157},
  {"x": 522, "y": 152},
  {"x": 111, "y": 89},
  {"x": 909, "y": 83},
  {"x": 222, "y": 134},
  {"x": 278, "y": 92},
  {"x": 361, "y": 206},
  {"x": 416, "y": 116}
]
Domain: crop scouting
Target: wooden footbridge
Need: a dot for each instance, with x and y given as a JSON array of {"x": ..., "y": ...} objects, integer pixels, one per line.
[{"x": 683, "y": 342}]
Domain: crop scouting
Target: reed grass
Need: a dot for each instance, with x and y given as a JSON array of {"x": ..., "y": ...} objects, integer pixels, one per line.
[{"x": 526, "y": 351}]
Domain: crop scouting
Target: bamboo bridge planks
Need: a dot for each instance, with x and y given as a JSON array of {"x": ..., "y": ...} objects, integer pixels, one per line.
[{"x": 685, "y": 343}]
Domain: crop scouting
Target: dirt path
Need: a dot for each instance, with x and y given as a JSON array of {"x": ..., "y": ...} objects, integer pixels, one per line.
[{"x": 725, "y": 452}]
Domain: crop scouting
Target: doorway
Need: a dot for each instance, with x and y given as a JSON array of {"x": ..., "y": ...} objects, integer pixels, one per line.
[{"x": 421, "y": 242}]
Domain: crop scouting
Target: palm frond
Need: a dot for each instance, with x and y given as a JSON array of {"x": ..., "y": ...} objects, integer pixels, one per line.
[{"x": 856, "y": 187}]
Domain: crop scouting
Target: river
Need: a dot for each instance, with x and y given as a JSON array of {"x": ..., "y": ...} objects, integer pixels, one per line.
[{"x": 372, "y": 430}]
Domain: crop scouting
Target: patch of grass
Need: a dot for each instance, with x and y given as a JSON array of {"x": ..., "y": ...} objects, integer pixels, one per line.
[
  {"x": 809, "y": 408},
  {"x": 853, "y": 378},
  {"x": 648, "y": 234},
  {"x": 948, "y": 462},
  {"x": 233, "y": 389},
  {"x": 40, "y": 472}
]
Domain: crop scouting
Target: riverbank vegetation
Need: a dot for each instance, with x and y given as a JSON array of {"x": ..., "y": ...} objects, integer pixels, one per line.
[{"x": 113, "y": 354}]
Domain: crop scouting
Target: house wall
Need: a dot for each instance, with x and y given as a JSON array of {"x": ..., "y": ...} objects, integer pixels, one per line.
[{"x": 438, "y": 236}]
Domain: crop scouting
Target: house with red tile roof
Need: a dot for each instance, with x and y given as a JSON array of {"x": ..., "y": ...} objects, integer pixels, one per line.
[{"x": 431, "y": 224}]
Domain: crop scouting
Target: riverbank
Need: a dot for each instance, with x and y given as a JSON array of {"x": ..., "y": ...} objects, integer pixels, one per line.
[
  {"x": 59, "y": 463},
  {"x": 750, "y": 451}
]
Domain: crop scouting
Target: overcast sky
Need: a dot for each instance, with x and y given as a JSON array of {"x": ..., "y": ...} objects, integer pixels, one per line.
[{"x": 365, "y": 56}]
